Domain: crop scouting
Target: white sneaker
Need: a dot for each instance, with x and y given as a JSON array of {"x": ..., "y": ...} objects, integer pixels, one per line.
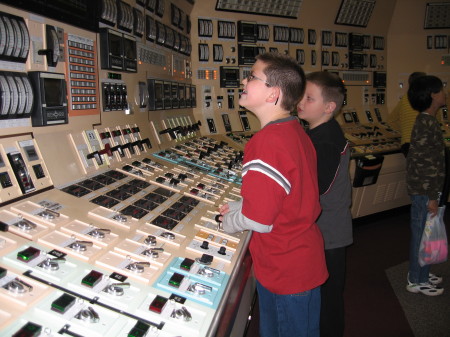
[
  {"x": 434, "y": 279},
  {"x": 425, "y": 288}
]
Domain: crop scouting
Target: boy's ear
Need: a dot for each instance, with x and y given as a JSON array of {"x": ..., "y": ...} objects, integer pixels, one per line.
[
  {"x": 329, "y": 107},
  {"x": 274, "y": 95}
]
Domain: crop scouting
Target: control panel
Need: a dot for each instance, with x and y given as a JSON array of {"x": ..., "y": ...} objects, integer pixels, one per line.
[{"x": 146, "y": 253}]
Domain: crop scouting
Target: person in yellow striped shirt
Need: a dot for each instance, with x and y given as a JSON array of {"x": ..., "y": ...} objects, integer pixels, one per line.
[{"x": 403, "y": 116}]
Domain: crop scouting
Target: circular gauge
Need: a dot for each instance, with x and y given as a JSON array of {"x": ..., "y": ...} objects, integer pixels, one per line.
[
  {"x": 26, "y": 40},
  {"x": 5, "y": 96}
]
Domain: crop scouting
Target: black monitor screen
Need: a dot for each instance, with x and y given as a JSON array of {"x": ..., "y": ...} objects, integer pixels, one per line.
[
  {"x": 248, "y": 29},
  {"x": 248, "y": 51},
  {"x": 181, "y": 91},
  {"x": 159, "y": 91},
  {"x": 231, "y": 74},
  {"x": 53, "y": 91},
  {"x": 130, "y": 49},
  {"x": 115, "y": 45}
]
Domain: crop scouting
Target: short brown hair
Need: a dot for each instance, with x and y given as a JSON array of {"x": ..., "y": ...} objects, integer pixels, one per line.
[
  {"x": 284, "y": 72},
  {"x": 333, "y": 89}
]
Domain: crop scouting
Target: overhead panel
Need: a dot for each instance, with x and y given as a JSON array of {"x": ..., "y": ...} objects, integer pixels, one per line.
[
  {"x": 282, "y": 8},
  {"x": 355, "y": 12},
  {"x": 437, "y": 15}
]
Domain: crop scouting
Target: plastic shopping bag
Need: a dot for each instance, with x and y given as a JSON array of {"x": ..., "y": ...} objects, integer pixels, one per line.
[{"x": 433, "y": 246}]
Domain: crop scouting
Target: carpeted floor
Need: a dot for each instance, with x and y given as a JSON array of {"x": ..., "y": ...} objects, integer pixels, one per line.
[{"x": 427, "y": 316}]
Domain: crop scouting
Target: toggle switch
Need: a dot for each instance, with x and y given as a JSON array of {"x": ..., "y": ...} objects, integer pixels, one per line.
[
  {"x": 99, "y": 233},
  {"x": 95, "y": 155},
  {"x": 117, "y": 289},
  {"x": 48, "y": 214},
  {"x": 150, "y": 240},
  {"x": 153, "y": 252},
  {"x": 120, "y": 218},
  {"x": 25, "y": 225},
  {"x": 182, "y": 313},
  {"x": 80, "y": 246},
  {"x": 168, "y": 235},
  {"x": 138, "y": 267},
  {"x": 88, "y": 315},
  {"x": 18, "y": 286},
  {"x": 51, "y": 264}
]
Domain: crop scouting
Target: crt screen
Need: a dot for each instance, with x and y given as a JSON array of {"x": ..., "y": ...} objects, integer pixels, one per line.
[{"x": 53, "y": 91}]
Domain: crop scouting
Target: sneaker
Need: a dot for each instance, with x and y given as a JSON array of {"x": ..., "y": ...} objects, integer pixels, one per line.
[
  {"x": 434, "y": 279},
  {"x": 425, "y": 288}
]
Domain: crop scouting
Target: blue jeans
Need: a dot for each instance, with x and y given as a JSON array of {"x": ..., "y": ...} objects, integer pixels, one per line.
[
  {"x": 295, "y": 315},
  {"x": 419, "y": 211}
]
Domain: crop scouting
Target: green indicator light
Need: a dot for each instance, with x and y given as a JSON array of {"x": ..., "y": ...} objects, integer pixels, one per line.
[
  {"x": 136, "y": 333},
  {"x": 141, "y": 326},
  {"x": 139, "y": 330},
  {"x": 63, "y": 303},
  {"x": 29, "y": 330},
  {"x": 56, "y": 307},
  {"x": 186, "y": 264},
  {"x": 176, "y": 280},
  {"x": 23, "y": 257},
  {"x": 91, "y": 279},
  {"x": 28, "y": 254},
  {"x": 32, "y": 327}
]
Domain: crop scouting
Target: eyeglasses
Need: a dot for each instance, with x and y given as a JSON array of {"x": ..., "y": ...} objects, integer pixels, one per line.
[{"x": 252, "y": 77}]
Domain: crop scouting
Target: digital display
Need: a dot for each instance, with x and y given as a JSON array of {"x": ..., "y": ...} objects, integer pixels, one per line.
[
  {"x": 159, "y": 91},
  {"x": 248, "y": 29},
  {"x": 50, "y": 100},
  {"x": 53, "y": 92},
  {"x": 167, "y": 89},
  {"x": 248, "y": 51},
  {"x": 231, "y": 74},
  {"x": 129, "y": 47},
  {"x": 181, "y": 91},
  {"x": 229, "y": 77},
  {"x": 356, "y": 42},
  {"x": 356, "y": 61},
  {"x": 115, "y": 45},
  {"x": 246, "y": 54},
  {"x": 379, "y": 79}
]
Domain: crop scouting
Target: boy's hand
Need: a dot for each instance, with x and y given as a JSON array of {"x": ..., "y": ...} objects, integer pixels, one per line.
[
  {"x": 433, "y": 207},
  {"x": 224, "y": 209}
]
